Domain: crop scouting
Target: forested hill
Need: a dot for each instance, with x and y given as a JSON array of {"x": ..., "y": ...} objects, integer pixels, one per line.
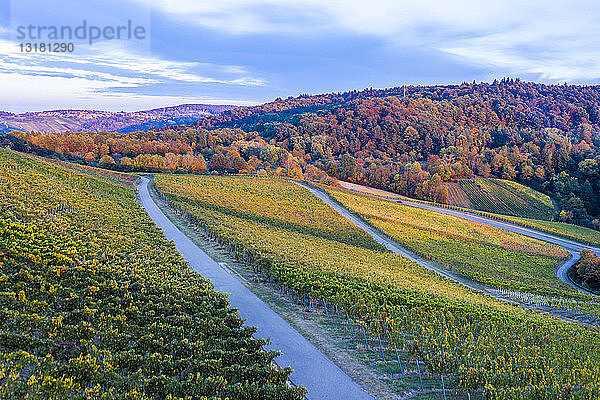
[
  {"x": 418, "y": 141},
  {"x": 98, "y": 120},
  {"x": 411, "y": 140}
]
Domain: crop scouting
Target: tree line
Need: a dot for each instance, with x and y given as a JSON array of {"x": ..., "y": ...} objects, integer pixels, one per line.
[
  {"x": 545, "y": 136},
  {"x": 409, "y": 140}
]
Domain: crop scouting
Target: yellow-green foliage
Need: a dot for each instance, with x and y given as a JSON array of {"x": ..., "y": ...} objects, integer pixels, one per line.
[
  {"x": 95, "y": 303},
  {"x": 272, "y": 201},
  {"x": 569, "y": 231},
  {"x": 491, "y": 255},
  {"x": 477, "y": 342},
  {"x": 537, "y": 199},
  {"x": 507, "y": 198}
]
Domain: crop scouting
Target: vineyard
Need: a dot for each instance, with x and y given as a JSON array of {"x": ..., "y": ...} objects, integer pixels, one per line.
[
  {"x": 569, "y": 231},
  {"x": 502, "y": 197},
  {"x": 538, "y": 200},
  {"x": 486, "y": 254},
  {"x": 281, "y": 204},
  {"x": 95, "y": 303},
  {"x": 457, "y": 196},
  {"x": 514, "y": 203},
  {"x": 562, "y": 229},
  {"x": 481, "y": 198},
  {"x": 476, "y": 345}
]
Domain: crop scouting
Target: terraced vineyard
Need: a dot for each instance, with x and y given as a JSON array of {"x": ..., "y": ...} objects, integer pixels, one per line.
[
  {"x": 457, "y": 196},
  {"x": 504, "y": 197},
  {"x": 95, "y": 303},
  {"x": 514, "y": 203},
  {"x": 562, "y": 229},
  {"x": 541, "y": 202},
  {"x": 479, "y": 345},
  {"x": 482, "y": 199}
]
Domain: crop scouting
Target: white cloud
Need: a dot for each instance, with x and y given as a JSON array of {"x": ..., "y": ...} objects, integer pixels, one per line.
[
  {"x": 88, "y": 79},
  {"x": 497, "y": 33},
  {"x": 79, "y": 93},
  {"x": 146, "y": 68},
  {"x": 379, "y": 17},
  {"x": 549, "y": 39}
]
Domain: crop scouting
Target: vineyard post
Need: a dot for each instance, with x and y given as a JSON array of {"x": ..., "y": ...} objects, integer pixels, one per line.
[
  {"x": 380, "y": 346},
  {"x": 419, "y": 372},
  {"x": 398, "y": 358},
  {"x": 326, "y": 311},
  {"x": 350, "y": 325},
  {"x": 443, "y": 387},
  {"x": 365, "y": 337},
  {"x": 338, "y": 315}
]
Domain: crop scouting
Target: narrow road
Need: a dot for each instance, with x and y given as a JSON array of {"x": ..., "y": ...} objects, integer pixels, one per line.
[
  {"x": 312, "y": 369},
  {"x": 384, "y": 240},
  {"x": 571, "y": 246}
]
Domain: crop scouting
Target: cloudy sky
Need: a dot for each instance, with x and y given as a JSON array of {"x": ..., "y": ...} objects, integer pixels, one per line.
[{"x": 247, "y": 52}]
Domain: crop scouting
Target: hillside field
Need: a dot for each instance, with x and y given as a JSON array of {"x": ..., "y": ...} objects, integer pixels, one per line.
[
  {"x": 500, "y": 197},
  {"x": 479, "y": 344},
  {"x": 95, "y": 303}
]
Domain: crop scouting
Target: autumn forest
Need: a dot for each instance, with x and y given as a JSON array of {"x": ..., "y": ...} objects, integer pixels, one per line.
[{"x": 411, "y": 140}]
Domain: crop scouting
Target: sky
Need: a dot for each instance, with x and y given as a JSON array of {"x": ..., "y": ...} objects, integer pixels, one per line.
[{"x": 250, "y": 52}]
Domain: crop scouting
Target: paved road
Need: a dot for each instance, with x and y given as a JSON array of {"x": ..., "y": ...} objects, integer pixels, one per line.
[
  {"x": 312, "y": 369},
  {"x": 375, "y": 233},
  {"x": 569, "y": 245},
  {"x": 572, "y": 247}
]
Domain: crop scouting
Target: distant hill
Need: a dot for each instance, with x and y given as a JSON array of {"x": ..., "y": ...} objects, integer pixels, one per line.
[
  {"x": 96, "y": 120},
  {"x": 418, "y": 141}
]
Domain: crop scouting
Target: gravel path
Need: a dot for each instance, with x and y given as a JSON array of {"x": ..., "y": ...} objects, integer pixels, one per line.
[{"x": 312, "y": 369}]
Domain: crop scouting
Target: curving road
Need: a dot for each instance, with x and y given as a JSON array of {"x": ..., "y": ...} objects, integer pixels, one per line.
[
  {"x": 377, "y": 234},
  {"x": 312, "y": 369},
  {"x": 572, "y": 247},
  {"x": 391, "y": 245}
]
